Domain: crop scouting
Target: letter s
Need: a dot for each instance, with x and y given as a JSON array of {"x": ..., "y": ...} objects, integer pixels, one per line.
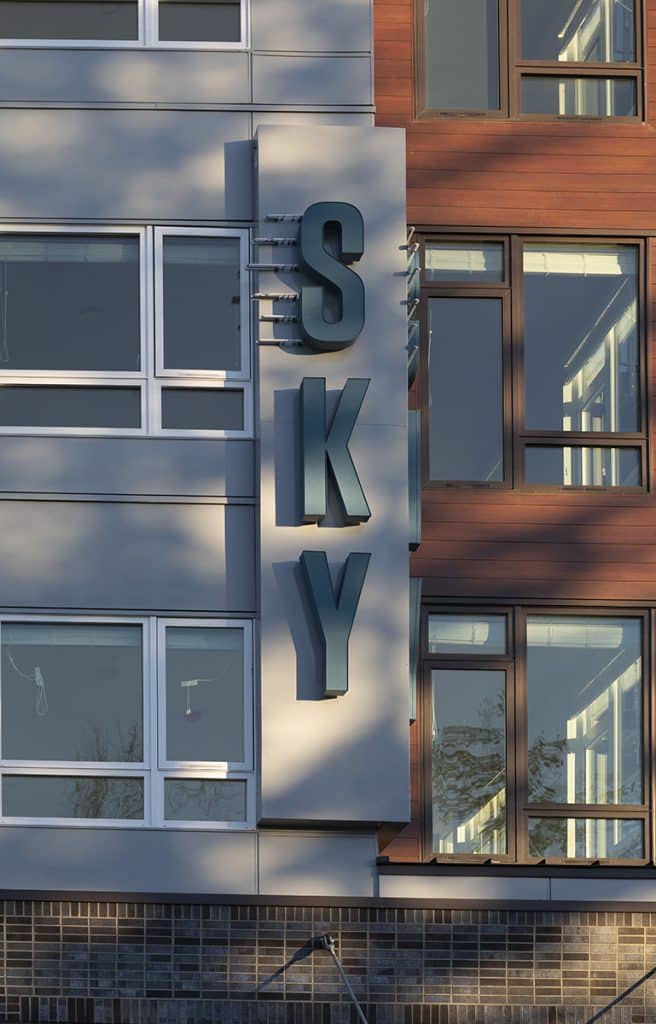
[{"x": 316, "y": 261}]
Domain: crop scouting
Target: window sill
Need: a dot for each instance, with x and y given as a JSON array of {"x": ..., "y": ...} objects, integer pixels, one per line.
[
  {"x": 508, "y": 870},
  {"x": 120, "y": 44}
]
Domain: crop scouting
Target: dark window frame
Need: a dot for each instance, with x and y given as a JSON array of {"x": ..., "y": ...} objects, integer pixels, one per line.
[
  {"x": 516, "y": 437},
  {"x": 512, "y": 68},
  {"x": 514, "y": 663}
]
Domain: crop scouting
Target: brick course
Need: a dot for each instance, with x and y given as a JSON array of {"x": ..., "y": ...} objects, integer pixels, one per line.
[{"x": 152, "y": 963}]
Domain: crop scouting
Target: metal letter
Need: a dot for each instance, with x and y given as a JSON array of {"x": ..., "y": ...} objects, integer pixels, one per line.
[
  {"x": 334, "y": 614},
  {"x": 331, "y": 272},
  {"x": 321, "y": 449}
]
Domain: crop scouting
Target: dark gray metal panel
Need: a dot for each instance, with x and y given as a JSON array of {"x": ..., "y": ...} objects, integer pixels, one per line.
[
  {"x": 414, "y": 477},
  {"x": 312, "y": 25},
  {"x": 334, "y": 610},
  {"x": 136, "y": 164},
  {"x": 327, "y": 446},
  {"x": 309, "y": 80},
  {"x": 129, "y": 466},
  {"x": 127, "y": 860},
  {"x": 415, "y": 642},
  {"x": 130, "y": 555},
  {"x": 123, "y": 76}
]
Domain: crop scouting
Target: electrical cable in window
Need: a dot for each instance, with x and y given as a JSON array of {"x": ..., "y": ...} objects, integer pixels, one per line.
[{"x": 35, "y": 677}]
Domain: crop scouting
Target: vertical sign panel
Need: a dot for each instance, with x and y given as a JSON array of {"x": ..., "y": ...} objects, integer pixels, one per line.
[{"x": 344, "y": 759}]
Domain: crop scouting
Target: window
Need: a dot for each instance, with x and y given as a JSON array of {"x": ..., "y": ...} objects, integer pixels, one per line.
[
  {"x": 80, "y": 352},
  {"x": 564, "y": 58},
  {"x": 533, "y": 376},
  {"x": 207, "y": 24},
  {"x": 534, "y": 727},
  {"x": 138, "y": 722}
]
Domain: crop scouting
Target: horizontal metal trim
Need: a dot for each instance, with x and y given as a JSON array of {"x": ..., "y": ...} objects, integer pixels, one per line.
[
  {"x": 132, "y": 498},
  {"x": 538, "y": 872},
  {"x": 159, "y": 105},
  {"x": 364, "y": 902}
]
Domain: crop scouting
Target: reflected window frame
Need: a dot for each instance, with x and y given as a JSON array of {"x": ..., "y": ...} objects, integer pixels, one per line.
[
  {"x": 510, "y": 291},
  {"x": 471, "y": 662},
  {"x": 147, "y": 35},
  {"x": 513, "y": 68},
  {"x": 151, "y": 769},
  {"x": 152, "y": 376},
  {"x": 519, "y": 810}
]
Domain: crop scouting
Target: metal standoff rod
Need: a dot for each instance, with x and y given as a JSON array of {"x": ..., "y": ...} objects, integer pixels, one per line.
[{"x": 327, "y": 943}]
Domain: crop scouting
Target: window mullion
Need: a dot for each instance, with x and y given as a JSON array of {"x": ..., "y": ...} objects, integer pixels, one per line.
[
  {"x": 149, "y": 22},
  {"x": 521, "y": 736}
]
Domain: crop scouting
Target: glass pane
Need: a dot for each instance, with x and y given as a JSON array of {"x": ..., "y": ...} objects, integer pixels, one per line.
[
  {"x": 578, "y": 30},
  {"x": 579, "y": 97},
  {"x": 467, "y": 634},
  {"x": 69, "y": 302},
  {"x": 201, "y": 303},
  {"x": 469, "y": 762},
  {"x": 584, "y": 710},
  {"x": 71, "y": 692},
  {"x": 204, "y": 800},
  {"x": 465, "y": 383},
  {"x": 596, "y": 838},
  {"x": 583, "y": 467},
  {"x": 202, "y": 409},
  {"x": 52, "y": 19},
  {"x": 462, "y": 54},
  {"x": 82, "y": 796},
  {"x": 457, "y": 261},
  {"x": 198, "y": 21},
  {"x": 581, "y": 337},
  {"x": 45, "y": 406},
  {"x": 204, "y": 694}
]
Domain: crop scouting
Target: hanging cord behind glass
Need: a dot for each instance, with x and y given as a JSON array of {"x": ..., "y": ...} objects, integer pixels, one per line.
[{"x": 35, "y": 677}]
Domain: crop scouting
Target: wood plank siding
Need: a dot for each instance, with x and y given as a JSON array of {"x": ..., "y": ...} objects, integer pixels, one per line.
[
  {"x": 469, "y": 174},
  {"x": 473, "y": 172}
]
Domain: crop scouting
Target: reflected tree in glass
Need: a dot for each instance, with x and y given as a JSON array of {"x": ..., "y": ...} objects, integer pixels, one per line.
[
  {"x": 469, "y": 761},
  {"x": 584, "y": 710}
]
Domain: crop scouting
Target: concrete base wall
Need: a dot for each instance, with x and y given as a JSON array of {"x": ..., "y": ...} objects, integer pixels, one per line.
[{"x": 136, "y": 963}]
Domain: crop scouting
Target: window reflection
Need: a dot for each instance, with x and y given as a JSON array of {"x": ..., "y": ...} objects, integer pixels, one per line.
[
  {"x": 581, "y": 338},
  {"x": 579, "y": 97},
  {"x": 584, "y": 710},
  {"x": 568, "y": 466},
  {"x": 592, "y": 838},
  {"x": 462, "y": 54},
  {"x": 578, "y": 30},
  {"x": 465, "y": 382},
  {"x": 72, "y": 692},
  {"x": 469, "y": 762},
  {"x": 34, "y": 796}
]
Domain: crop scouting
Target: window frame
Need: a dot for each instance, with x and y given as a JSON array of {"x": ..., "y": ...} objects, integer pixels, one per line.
[
  {"x": 164, "y": 763},
  {"x": 512, "y": 68},
  {"x": 516, "y": 438},
  {"x": 519, "y": 811},
  {"x": 148, "y": 380},
  {"x": 151, "y": 770},
  {"x": 147, "y": 36}
]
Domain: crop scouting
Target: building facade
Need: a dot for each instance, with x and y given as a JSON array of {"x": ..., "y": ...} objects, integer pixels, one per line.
[
  {"x": 529, "y": 156},
  {"x": 295, "y": 296},
  {"x": 205, "y": 611}
]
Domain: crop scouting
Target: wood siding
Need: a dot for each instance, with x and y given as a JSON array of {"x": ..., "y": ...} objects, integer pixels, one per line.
[{"x": 472, "y": 173}]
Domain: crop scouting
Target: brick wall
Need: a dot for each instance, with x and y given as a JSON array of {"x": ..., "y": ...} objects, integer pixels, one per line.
[{"x": 134, "y": 963}]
